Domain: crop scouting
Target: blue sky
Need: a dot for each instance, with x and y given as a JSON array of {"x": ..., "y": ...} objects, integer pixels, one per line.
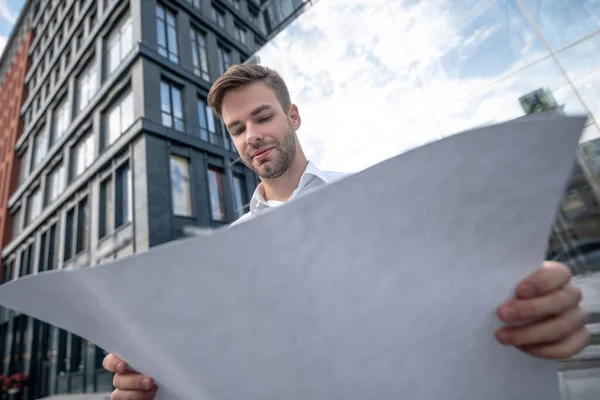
[
  {"x": 9, "y": 12},
  {"x": 376, "y": 78}
]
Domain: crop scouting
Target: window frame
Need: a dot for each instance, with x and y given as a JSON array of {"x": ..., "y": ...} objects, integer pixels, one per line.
[
  {"x": 31, "y": 214},
  {"x": 74, "y": 244},
  {"x": 200, "y": 53},
  {"x": 58, "y": 172},
  {"x": 92, "y": 77},
  {"x": 125, "y": 118},
  {"x": 117, "y": 35},
  {"x": 86, "y": 141},
  {"x": 166, "y": 50},
  {"x": 187, "y": 180},
  {"x": 61, "y": 113},
  {"x": 172, "y": 86},
  {"x": 219, "y": 173},
  {"x": 223, "y": 52}
]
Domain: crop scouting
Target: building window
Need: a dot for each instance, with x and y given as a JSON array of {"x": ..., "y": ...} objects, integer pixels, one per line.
[
  {"x": 92, "y": 20},
  {"x": 119, "y": 118},
  {"x": 224, "y": 59},
  {"x": 40, "y": 147},
  {"x": 46, "y": 90},
  {"x": 76, "y": 232},
  {"x": 78, "y": 347},
  {"x": 61, "y": 353},
  {"x": 206, "y": 119},
  {"x": 55, "y": 183},
  {"x": 25, "y": 265},
  {"x": 62, "y": 119},
  {"x": 239, "y": 193},
  {"x": 119, "y": 44},
  {"x": 47, "y": 259},
  {"x": 237, "y": 4},
  {"x": 69, "y": 21},
  {"x": 241, "y": 35},
  {"x": 253, "y": 17},
  {"x": 8, "y": 271},
  {"x": 115, "y": 201},
  {"x": 87, "y": 85},
  {"x": 217, "y": 197},
  {"x": 67, "y": 59},
  {"x": 34, "y": 205},
  {"x": 17, "y": 223},
  {"x": 195, "y": 3},
  {"x": 56, "y": 75},
  {"x": 78, "y": 39},
  {"x": 123, "y": 195},
  {"x": 180, "y": 186},
  {"x": 23, "y": 167},
  {"x": 83, "y": 155},
  {"x": 167, "y": 33},
  {"x": 106, "y": 207},
  {"x": 171, "y": 106},
  {"x": 199, "y": 54},
  {"x": 219, "y": 17}
]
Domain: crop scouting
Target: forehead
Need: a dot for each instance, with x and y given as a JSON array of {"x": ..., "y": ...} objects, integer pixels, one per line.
[{"x": 240, "y": 102}]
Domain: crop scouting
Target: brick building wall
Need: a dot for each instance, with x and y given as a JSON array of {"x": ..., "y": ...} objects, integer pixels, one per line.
[{"x": 12, "y": 96}]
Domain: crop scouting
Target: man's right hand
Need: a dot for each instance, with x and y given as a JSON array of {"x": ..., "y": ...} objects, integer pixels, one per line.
[{"x": 129, "y": 384}]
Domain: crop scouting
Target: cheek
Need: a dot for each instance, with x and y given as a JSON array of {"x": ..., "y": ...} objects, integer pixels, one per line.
[
  {"x": 240, "y": 145},
  {"x": 278, "y": 129}
]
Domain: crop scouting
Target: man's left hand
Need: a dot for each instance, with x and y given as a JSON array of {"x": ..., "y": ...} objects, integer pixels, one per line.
[{"x": 546, "y": 309}]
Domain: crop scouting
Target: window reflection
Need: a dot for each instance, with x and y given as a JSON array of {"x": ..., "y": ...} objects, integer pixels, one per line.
[
  {"x": 217, "y": 197},
  {"x": 410, "y": 71},
  {"x": 180, "y": 186},
  {"x": 562, "y": 22}
]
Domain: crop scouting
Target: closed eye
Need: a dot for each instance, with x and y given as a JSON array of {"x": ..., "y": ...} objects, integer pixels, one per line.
[
  {"x": 265, "y": 119},
  {"x": 238, "y": 131}
]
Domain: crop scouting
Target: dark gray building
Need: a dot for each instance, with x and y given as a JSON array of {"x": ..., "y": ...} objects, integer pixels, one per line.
[{"x": 118, "y": 152}]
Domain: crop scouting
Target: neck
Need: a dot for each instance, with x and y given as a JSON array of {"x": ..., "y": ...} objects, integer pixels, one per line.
[{"x": 281, "y": 188}]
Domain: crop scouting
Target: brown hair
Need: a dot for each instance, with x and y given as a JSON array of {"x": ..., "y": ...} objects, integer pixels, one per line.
[{"x": 244, "y": 74}]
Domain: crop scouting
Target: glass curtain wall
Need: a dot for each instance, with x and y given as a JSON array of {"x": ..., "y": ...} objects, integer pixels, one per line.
[{"x": 376, "y": 78}]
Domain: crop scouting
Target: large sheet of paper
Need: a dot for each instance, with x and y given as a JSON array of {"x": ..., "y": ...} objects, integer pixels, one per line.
[{"x": 381, "y": 286}]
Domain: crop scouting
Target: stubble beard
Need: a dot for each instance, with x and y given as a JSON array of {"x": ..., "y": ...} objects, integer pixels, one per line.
[{"x": 274, "y": 168}]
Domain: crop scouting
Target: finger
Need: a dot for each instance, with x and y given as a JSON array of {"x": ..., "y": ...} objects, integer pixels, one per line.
[
  {"x": 547, "y": 279},
  {"x": 547, "y": 331},
  {"x": 114, "y": 364},
  {"x": 546, "y": 306},
  {"x": 120, "y": 394},
  {"x": 132, "y": 381},
  {"x": 562, "y": 349}
]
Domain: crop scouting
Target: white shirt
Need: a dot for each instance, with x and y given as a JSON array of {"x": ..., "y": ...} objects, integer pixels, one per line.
[{"x": 311, "y": 179}]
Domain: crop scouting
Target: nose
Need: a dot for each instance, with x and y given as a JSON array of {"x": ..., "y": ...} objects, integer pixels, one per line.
[{"x": 253, "y": 134}]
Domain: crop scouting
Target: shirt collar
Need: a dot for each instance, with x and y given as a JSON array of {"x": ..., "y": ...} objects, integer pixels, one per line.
[{"x": 311, "y": 173}]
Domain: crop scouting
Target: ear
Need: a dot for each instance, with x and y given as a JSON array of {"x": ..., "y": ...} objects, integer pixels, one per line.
[{"x": 294, "y": 117}]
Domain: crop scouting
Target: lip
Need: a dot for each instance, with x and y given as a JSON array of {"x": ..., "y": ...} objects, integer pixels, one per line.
[{"x": 262, "y": 153}]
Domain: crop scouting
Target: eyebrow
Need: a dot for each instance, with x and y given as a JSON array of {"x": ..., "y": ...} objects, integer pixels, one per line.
[{"x": 254, "y": 112}]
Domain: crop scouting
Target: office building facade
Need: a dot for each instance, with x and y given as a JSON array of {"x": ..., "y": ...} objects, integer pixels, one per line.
[{"x": 118, "y": 153}]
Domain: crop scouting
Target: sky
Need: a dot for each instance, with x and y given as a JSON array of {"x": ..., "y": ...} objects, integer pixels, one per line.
[
  {"x": 379, "y": 77},
  {"x": 375, "y": 79},
  {"x": 9, "y": 12}
]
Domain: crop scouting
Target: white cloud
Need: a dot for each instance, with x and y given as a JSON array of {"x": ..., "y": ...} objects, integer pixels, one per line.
[
  {"x": 7, "y": 14},
  {"x": 389, "y": 76}
]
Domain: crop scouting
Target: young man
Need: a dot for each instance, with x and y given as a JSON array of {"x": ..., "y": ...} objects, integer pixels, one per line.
[{"x": 254, "y": 103}]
